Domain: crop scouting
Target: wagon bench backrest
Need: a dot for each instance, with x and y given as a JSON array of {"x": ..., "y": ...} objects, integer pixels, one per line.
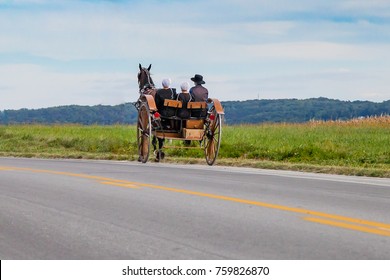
[
  {"x": 173, "y": 103},
  {"x": 196, "y": 105}
]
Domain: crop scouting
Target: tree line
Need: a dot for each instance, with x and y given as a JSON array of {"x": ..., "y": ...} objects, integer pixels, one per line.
[{"x": 236, "y": 112}]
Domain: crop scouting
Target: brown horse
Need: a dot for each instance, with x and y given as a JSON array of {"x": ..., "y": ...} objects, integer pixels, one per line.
[
  {"x": 147, "y": 87},
  {"x": 145, "y": 81}
]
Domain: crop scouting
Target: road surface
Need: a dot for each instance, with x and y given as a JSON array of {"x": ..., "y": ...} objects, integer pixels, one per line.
[{"x": 79, "y": 209}]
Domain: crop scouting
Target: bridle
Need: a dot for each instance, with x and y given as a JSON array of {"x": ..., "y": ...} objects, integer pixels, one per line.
[{"x": 141, "y": 82}]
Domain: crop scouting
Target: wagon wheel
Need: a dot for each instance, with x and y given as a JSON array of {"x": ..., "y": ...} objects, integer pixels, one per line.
[
  {"x": 212, "y": 137},
  {"x": 144, "y": 131}
]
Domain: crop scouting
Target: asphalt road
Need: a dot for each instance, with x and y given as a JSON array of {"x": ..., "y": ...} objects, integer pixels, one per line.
[{"x": 78, "y": 209}]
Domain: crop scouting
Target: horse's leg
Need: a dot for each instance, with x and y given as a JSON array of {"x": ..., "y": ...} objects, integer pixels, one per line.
[
  {"x": 160, "y": 143},
  {"x": 154, "y": 143},
  {"x": 160, "y": 154}
]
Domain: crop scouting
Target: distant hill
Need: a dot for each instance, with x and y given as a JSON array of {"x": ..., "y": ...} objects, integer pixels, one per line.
[
  {"x": 99, "y": 114},
  {"x": 295, "y": 110},
  {"x": 236, "y": 112}
]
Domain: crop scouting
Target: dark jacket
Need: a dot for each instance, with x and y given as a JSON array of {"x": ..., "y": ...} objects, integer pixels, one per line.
[
  {"x": 161, "y": 95},
  {"x": 199, "y": 93},
  {"x": 183, "y": 112}
]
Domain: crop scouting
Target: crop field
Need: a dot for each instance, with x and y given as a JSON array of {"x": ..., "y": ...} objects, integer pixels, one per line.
[{"x": 355, "y": 147}]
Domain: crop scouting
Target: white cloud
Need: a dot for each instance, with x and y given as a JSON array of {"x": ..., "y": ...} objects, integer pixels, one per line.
[
  {"x": 380, "y": 7},
  {"x": 31, "y": 86},
  {"x": 318, "y": 51},
  {"x": 273, "y": 49}
]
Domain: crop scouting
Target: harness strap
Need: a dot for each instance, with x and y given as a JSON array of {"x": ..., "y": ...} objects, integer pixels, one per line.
[
  {"x": 171, "y": 93},
  {"x": 177, "y": 97}
]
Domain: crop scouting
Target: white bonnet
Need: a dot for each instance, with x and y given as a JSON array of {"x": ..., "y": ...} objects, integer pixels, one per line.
[
  {"x": 166, "y": 82},
  {"x": 185, "y": 86}
]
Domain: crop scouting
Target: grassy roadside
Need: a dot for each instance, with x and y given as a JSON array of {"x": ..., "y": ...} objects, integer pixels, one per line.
[{"x": 356, "y": 147}]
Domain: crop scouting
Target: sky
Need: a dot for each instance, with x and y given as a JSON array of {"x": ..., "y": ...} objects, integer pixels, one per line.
[{"x": 66, "y": 52}]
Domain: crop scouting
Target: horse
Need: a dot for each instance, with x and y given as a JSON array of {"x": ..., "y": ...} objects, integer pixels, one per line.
[
  {"x": 145, "y": 81},
  {"x": 146, "y": 86}
]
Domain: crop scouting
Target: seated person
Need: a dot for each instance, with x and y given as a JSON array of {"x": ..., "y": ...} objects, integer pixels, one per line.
[
  {"x": 198, "y": 91},
  {"x": 165, "y": 93},
  {"x": 199, "y": 94},
  {"x": 184, "y": 96}
]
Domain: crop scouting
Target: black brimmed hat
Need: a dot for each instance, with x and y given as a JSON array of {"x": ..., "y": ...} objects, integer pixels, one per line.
[{"x": 198, "y": 79}]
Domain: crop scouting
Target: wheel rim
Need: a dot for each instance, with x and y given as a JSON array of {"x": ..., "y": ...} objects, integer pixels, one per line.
[
  {"x": 212, "y": 140},
  {"x": 144, "y": 131}
]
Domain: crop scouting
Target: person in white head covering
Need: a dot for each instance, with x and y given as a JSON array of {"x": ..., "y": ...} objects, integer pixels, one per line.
[
  {"x": 184, "y": 96},
  {"x": 166, "y": 83},
  {"x": 165, "y": 93},
  {"x": 184, "y": 86},
  {"x": 167, "y": 124}
]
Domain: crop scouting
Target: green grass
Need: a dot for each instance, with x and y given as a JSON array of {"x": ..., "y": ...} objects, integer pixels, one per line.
[
  {"x": 359, "y": 146},
  {"x": 360, "y": 149},
  {"x": 354, "y": 147},
  {"x": 68, "y": 141}
]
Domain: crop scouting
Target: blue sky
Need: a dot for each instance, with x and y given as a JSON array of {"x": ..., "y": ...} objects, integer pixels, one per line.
[{"x": 63, "y": 52}]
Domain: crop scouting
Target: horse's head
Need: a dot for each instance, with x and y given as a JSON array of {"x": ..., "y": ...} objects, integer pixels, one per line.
[{"x": 144, "y": 77}]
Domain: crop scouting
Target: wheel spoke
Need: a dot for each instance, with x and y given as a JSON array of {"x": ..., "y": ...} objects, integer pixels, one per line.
[{"x": 212, "y": 141}]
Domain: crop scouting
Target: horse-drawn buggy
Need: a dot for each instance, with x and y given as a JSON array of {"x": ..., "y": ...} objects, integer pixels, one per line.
[{"x": 203, "y": 125}]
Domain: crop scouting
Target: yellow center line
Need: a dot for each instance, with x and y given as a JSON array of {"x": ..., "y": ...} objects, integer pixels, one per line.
[
  {"x": 6, "y": 168},
  {"x": 125, "y": 185},
  {"x": 319, "y": 217},
  {"x": 357, "y": 227},
  {"x": 274, "y": 206},
  {"x": 85, "y": 176}
]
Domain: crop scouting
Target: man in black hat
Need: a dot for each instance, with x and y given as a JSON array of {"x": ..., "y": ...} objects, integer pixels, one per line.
[{"x": 199, "y": 92}]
